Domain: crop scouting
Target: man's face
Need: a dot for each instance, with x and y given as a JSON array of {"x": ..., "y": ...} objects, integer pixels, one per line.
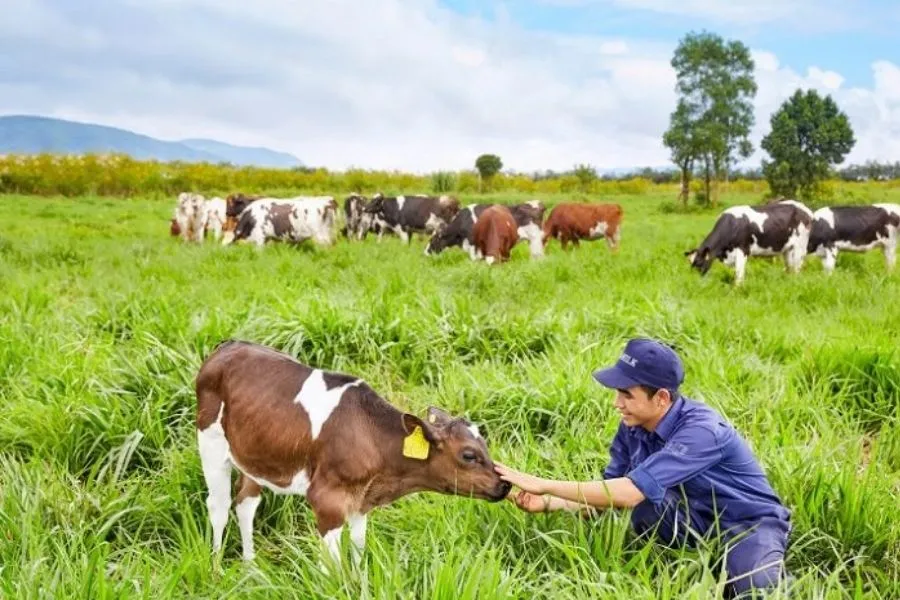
[{"x": 637, "y": 408}]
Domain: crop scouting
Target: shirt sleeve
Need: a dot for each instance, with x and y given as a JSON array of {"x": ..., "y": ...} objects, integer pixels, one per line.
[
  {"x": 618, "y": 455},
  {"x": 690, "y": 451}
]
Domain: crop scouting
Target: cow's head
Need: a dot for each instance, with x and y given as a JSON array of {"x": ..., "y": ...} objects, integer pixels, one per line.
[
  {"x": 439, "y": 241},
  {"x": 236, "y": 203},
  {"x": 454, "y": 455},
  {"x": 700, "y": 259}
]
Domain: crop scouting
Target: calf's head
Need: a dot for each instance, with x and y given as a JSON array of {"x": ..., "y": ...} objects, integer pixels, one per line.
[{"x": 454, "y": 456}]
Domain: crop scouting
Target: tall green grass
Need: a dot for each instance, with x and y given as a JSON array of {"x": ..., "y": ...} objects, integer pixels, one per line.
[{"x": 104, "y": 320}]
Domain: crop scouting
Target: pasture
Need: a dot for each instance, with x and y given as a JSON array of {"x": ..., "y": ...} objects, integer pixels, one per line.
[{"x": 104, "y": 320}]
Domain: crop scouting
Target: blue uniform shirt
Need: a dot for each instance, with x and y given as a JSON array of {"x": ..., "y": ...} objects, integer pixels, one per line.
[{"x": 694, "y": 447}]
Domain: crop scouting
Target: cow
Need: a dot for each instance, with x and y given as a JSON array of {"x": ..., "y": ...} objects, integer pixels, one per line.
[
  {"x": 190, "y": 215},
  {"x": 529, "y": 218},
  {"x": 744, "y": 231},
  {"x": 405, "y": 215},
  {"x": 297, "y": 429},
  {"x": 353, "y": 214},
  {"x": 234, "y": 206},
  {"x": 854, "y": 229},
  {"x": 575, "y": 221},
  {"x": 214, "y": 217},
  {"x": 287, "y": 219},
  {"x": 495, "y": 233}
]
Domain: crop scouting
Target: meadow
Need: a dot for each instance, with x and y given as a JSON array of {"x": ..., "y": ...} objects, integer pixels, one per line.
[{"x": 104, "y": 320}]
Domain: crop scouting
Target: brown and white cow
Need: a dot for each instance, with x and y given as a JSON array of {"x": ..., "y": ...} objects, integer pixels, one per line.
[
  {"x": 287, "y": 219},
  {"x": 529, "y": 218},
  {"x": 495, "y": 233},
  {"x": 575, "y": 221},
  {"x": 296, "y": 429},
  {"x": 234, "y": 206},
  {"x": 190, "y": 214}
]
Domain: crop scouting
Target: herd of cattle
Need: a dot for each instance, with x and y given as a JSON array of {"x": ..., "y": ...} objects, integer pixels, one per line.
[
  {"x": 490, "y": 231},
  {"x": 485, "y": 231}
]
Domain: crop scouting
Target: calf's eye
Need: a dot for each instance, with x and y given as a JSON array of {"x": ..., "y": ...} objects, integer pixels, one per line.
[{"x": 469, "y": 456}]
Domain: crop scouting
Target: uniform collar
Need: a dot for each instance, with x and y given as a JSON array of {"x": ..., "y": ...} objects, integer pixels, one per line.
[{"x": 667, "y": 423}]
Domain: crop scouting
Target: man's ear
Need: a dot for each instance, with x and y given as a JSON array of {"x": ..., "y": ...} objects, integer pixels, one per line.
[
  {"x": 663, "y": 395},
  {"x": 411, "y": 421}
]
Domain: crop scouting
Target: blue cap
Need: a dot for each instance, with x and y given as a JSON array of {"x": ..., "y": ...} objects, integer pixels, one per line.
[{"x": 644, "y": 362}]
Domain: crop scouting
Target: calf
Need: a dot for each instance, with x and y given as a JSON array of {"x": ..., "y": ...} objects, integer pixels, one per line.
[
  {"x": 189, "y": 215},
  {"x": 495, "y": 234},
  {"x": 529, "y": 218},
  {"x": 765, "y": 230},
  {"x": 854, "y": 229},
  {"x": 407, "y": 214},
  {"x": 575, "y": 221},
  {"x": 287, "y": 219},
  {"x": 296, "y": 429}
]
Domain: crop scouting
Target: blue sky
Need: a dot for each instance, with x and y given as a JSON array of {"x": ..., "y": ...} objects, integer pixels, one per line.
[
  {"x": 842, "y": 36},
  {"x": 423, "y": 85}
]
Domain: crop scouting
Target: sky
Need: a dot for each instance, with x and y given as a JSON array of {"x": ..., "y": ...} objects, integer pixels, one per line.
[{"x": 424, "y": 85}]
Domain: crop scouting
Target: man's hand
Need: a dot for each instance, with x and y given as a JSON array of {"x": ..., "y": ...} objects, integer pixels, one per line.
[
  {"x": 523, "y": 481},
  {"x": 528, "y": 502}
]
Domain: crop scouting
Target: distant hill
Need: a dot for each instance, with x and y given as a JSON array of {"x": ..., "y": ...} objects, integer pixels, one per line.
[{"x": 32, "y": 134}]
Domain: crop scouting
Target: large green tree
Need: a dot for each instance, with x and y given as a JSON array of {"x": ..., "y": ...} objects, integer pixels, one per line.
[
  {"x": 809, "y": 135},
  {"x": 488, "y": 165},
  {"x": 714, "y": 116}
]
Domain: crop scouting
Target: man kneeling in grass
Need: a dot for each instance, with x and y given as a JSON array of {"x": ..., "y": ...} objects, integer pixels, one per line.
[{"x": 683, "y": 469}]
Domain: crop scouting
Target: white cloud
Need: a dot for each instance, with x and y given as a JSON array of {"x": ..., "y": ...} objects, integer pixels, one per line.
[{"x": 378, "y": 84}]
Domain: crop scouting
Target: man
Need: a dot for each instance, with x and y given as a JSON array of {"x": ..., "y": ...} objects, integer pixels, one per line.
[{"x": 683, "y": 469}]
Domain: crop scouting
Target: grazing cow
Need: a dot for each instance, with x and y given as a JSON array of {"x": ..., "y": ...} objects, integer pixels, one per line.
[
  {"x": 234, "y": 206},
  {"x": 765, "y": 230},
  {"x": 407, "y": 214},
  {"x": 854, "y": 229},
  {"x": 529, "y": 219},
  {"x": 574, "y": 221},
  {"x": 353, "y": 214},
  {"x": 287, "y": 219},
  {"x": 190, "y": 214},
  {"x": 296, "y": 429},
  {"x": 495, "y": 233},
  {"x": 214, "y": 217}
]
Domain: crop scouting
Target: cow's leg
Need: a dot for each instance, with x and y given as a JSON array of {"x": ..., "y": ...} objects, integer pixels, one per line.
[
  {"x": 331, "y": 508},
  {"x": 214, "y": 451},
  {"x": 405, "y": 236},
  {"x": 829, "y": 260},
  {"x": 890, "y": 253},
  {"x": 246, "y": 502},
  {"x": 740, "y": 266}
]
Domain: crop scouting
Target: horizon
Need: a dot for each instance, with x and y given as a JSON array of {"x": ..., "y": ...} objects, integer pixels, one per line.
[{"x": 428, "y": 86}]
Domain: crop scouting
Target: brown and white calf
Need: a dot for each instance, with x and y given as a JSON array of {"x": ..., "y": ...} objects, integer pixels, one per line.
[
  {"x": 575, "y": 221},
  {"x": 296, "y": 429},
  {"x": 495, "y": 233}
]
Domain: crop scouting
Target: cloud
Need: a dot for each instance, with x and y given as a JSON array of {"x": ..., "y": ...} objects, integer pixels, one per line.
[{"x": 403, "y": 84}]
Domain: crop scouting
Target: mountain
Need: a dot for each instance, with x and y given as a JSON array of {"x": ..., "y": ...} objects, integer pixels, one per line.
[
  {"x": 244, "y": 155},
  {"x": 33, "y": 134}
]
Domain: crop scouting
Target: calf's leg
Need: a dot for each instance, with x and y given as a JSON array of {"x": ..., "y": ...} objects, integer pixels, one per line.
[
  {"x": 332, "y": 509},
  {"x": 246, "y": 503},
  {"x": 214, "y": 450}
]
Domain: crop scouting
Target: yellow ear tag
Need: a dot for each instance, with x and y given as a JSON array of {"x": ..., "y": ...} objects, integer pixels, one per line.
[{"x": 415, "y": 445}]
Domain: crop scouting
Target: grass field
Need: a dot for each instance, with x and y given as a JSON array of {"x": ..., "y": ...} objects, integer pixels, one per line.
[{"x": 104, "y": 320}]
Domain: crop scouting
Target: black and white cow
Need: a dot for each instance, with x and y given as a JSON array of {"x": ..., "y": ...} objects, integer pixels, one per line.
[
  {"x": 854, "y": 229},
  {"x": 765, "y": 230},
  {"x": 405, "y": 215},
  {"x": 529, "y": 218},
  {"x": 287, "y": 219},
  {"x": 353, "y": 213}
]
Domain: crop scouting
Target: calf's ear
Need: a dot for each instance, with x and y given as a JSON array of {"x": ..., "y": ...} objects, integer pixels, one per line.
[{"x": 411, "y": 422}]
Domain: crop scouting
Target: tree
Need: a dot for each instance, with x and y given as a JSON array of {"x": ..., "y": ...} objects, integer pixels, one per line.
[
  {"x": 714, "y": 116},
  {"x": 586, "y": 175},
  {"x": 488, "y": 165},
  {"x": 809, "y": 135}
]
